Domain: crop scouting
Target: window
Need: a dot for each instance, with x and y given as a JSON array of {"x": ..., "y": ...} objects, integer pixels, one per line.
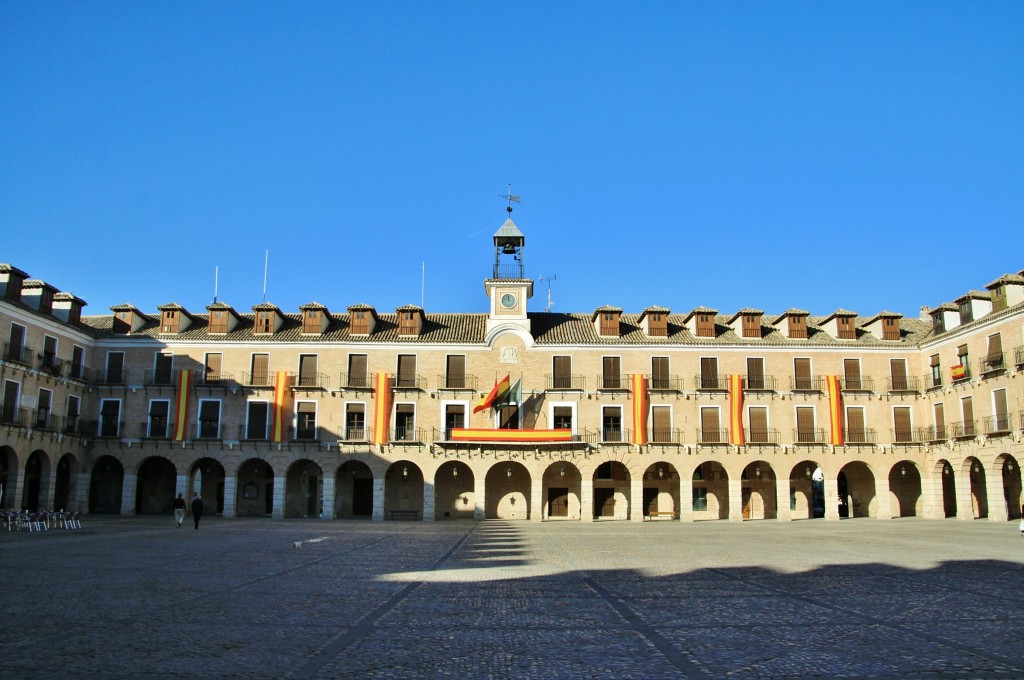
[
  {"x": 355, "y": 422},
  {"x": 357, "y": 370},
  {"x": 305, "y": 420},
  {"x": 657, "y": 325},
  {"x": 256, "y": 419},
  {"x": 710, "y": 426},
  {"x": 508, "y": 417},
  {"x": 967, "y": 409},
  {"x": 851, "y": 368},
  {"x": 209, "y": 419},
  {"x": 219, "y": 321},
  {"x": 660, "y": 373},
  {"x": 751, "y": 326},
  {"x": 661, "y": 424},
  {"x": 700, "y": 499},
  {"x": 454, "y": 418},
  {"x": 709, "y": 373},
  {"x": 939, "y": 323},
  {"x": 43, "y": 404},
  {"x": 77, "y": 363},
  {"x": 561, "y": 368},
  {"x": 561, "y": 417},
  {"x": 901, "y": 424},
  {"x": 999, "y": 298},
  {"x": 994, "y": 358},
  {"x": 797, "y": 327},
  {"x": 110, "y": 415},
  {"x": 611, "y": 424},
  {"x": 855, "y": 432},
  {"x": 1001, "y": 415},
  {"x": 758, "y": 419},
  {"x": 938, "y": 413},
  {"x": 122, "y": 322},
  {"x": 705, "y": 325},
  {"x": 73, "y": 412},
  {"x": 936, "y": 369},
  {"x": 407, "y": 323},
  {"x": 159, "y": 409},
  {"x": 966, "y": 312},
  {"x": 212, "y": 373},
  {"x": 609, "y": 323},
  {"x": 311, "y": 321},
  {"x": 16, "y": 346},
  {"x": 115, "y": 368},
  {"x": 845, "y": 328},
  {"x": 9, "y": 407},
  {"x": 169, "y": 324},
  {"x": 50, "y": 361},
  {"x": 755, "y": 373},
  {"x": 611, "y": 378},
  {"x": 898, "y": 375},
  {"x": 405, "y": 422},
  {"x": 309, "y": 375},
  {"x": 455, "y": 372},
  {"x": 360, "y": 323},
  {"x": 802, "y": 374},
  {"x": 964, "y": 360},
  {"x": 260, "y": 370},
  {"x": 162, "y": 369},
  {"x": 805, "y": 431},
  {"x": 890, "y": 328},
  {"x": 406, "y": 371}
]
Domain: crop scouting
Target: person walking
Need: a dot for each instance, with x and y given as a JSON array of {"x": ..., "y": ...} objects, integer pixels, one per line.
[
  {"x": 197, "y": 508},
  {"x": 179, "y": 510}
]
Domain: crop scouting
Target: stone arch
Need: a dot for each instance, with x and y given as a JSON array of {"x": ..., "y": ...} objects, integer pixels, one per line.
[
  {"x": 807, "y": 490},
  {"x": 905, "y": 496},
  {"x": 710, "y": 491},
  {"x": 453, "y": 491},
  {"x": 155, "y": 485},
  {"x": 975, "y": 472},
  {"x": 106, "y": 484},
  {"x": 661, "y": 490},
  {"x": 208, "y": 475},
  {"x": 758, "y": 491},
  {"x": 856, "y": 486},
  {"x": 1011, "y": 484},
  {"x": 507, "y": 494},
  {"x": 562, "y": 488},
  {"x": 403, "y": 491},
  {"x": 947, "y": 480},
  {"x": 8, "y": 477},
  {"x": 612, "y": 490},
  {"x": 353, "y": 490},
  {"x": 255, "y": 497},
  {"x": 36, "y": 481},
  {"x": 65, "y": 489},
  {"x": 304, "y": 489}
]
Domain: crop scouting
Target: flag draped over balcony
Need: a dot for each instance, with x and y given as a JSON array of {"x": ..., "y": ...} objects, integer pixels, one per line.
[
  {"x": 499, "y": 435},
  {"x": 958, "y": 372},
  {"x": 181, "y": 405},
  {"x": 736, "y": 410},
  {"x": 639, "y": 409},
  {"x": 382, "y": 408},
  {"x": 835, "y": 409},
  {"x": 496, "y": 395},
  {"x": 278, "y": 407}
]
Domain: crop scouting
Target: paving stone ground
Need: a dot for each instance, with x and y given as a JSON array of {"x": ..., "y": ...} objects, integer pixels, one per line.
[{"x": 138, "y": 598}]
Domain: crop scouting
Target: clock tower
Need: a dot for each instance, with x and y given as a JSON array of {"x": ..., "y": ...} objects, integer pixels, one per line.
[{"x": 508, "y": 288}]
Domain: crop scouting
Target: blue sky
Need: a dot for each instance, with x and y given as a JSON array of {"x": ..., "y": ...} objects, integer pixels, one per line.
[{"x": 864, "y": 155}]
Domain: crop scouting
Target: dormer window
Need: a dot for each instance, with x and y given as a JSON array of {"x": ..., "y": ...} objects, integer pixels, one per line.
[
  {"x": 122, "y": 321},
  {"x": 311, "y": 321},
  {"x": 797, "y": 326},
  {"x": 264, "y": 322},
  {"x": 890, "y": 329},
  {"x": 170, "y": 321},
  {"x": 999, "y": 298},
  {"x": 966, "y": 312},
  {"x": 609, "y": 324},
  {"x": 407, "y": 323},
  {"x": 657, "y": 324},
  {"x": 846, "y": 330},
  {"x": 219, "y": 321},
  {"x": 360, "y": 323},
  {"x": 751, "y": 326},
  {"x": 705, "y": 325},
  {"x": 939, "y": 323}
]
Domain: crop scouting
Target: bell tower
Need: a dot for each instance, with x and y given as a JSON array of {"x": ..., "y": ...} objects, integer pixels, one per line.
[{"x": 508, "y": 288}]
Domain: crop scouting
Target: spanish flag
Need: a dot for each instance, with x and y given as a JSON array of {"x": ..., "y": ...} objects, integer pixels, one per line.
[
  {"x": 181, "y": 406},
  {"x": 382, "y": 409},
  {"x": 496, "y": 395},
  {"x": 639, "y": 409},
  {"x": 958, "y": 372},
  {"x": 835, "y": 409},
  {"x": 277, "y": 408},
  {"x": 736, "y": 410}
]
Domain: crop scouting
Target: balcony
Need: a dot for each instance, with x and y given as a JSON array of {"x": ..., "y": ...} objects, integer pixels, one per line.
[
  {"x": 806, "y": 383},
  {"x": 762, "y": 436},
  {"x": 992, "y": 363},
  {"x": 711, "y": 383},
  {"x": 307, "y": 433},
  {"x": 965, "y": 429},
  {"x": 565, "y": 383},
  {"x": 908, "y": 436},
  {"x": 111, "y": 377},
  {"x": 412, "y": 435},
  {"x": 18, "y": 417},
  {"x": 999, "y": 424},
  {"x": 257, "y": 379},
  {"x": 718, "y": 435},
  {"x": 616, "y": 435},
  {"x": 43, "y": 419},
  {"x": 664, "y": 435},
  {"x": 159, "y": 378},
  {"x": 860, "y": 436},
  {"x": 407, "y": 382},
  {"x": 357, "y": 434},
  {"x": 932, "y": 381},
  {"x": 760, "y": 383},
  {"x": 934, "y": 433},
  {"x": 613, "y": 382},
  {"x": 355, "y": 381},
  {"x": 454, "y": 383},
  {"x": 864, "y": 384},
  {"x": 664, "y": 383},
  {"x": 256, "y": 432},
  {"x": 156, "y": 428},
  {"x": 310, "y": 381},
  {"x": 49, "y": 363},
  {"x": 74, "y": 425},
  {"x": 110, "y": 429},
  {"x": 810, "y": 436},
  {"x": 1018, "y": 356},
  {"x": 907, "y": 384},
  {"x": 208, "y": 429},
  {"x": 18, "y": 354}
]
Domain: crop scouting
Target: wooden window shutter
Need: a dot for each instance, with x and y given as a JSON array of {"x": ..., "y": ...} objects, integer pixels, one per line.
[
  {"x": 855, "y": 424},
  {"x": 938, "y": 411},
  {"x": 456, "y": 371},
  {"x": 851, "y": 367},
  {"x": 805, "y": 424},
  {"x": 755, "y": 373},
  {"x": 308, "y": 370},
  {"x": 901, "y": 423},
  {"x": 661, "y": 424},
  {"x": 257, "y": 423},
  {"x": 562, "y": 370},
  {"x": 709, "y": 372},
  {"x": 611, "y": 378},
  {"x": 357, "y": 370},
  {"x": 967, "y": 406},
  {"x": 213, "y": 366},
  {"x": 995, "y": 348},
  {"x": 802, "y": 372},
  {"x": 758, "y": 416},
  {"x": 260, "y": 369},
  {"x": 709, "y": 425},
  {"x": 898, "y": 372},
  {"x": 659, "y": 373},
  {"x": 406, "y": 370},
  {"x": 934, "y": 360}
]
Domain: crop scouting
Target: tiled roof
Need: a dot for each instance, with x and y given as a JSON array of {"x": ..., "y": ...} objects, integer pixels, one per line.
[
  {"x": 976, "y": 295},
  {"x": 945, "y": 307},
  {"x": 266, "y": 307},
  {"x": 66, "y": 297},
  {"x": 6, "y": 268},
  {"x": 745, "y": 311},
  {"x": 790, "y": 312},
  {"x": 313, "y": 305},
  {"x": 1007, "y": 278}
]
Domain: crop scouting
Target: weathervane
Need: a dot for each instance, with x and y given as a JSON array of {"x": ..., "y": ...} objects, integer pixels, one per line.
[{"x": 510, "y": 198}]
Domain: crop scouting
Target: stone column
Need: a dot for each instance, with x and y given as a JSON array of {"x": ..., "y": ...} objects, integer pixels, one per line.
[
  {"x": 46, "y": 492},
  {"x": 964, "y": 499},
  {"x": 326, "y": 499},
  {"x": 686, "y": 499},
  {"x": 279, "y": 491},
  {"x": 230, "y": 495},
  {"x": 479, "y": 495},
  {"x": 883, "y": 499},
  {"x": 537, "y": 498},
  {"x": 181, "y": 486},
  {"x": 783, "y": 512},
  {"x": 735, "y": 499},
  {"x": 997, "y": 510},
  {"x": 586, "y": 500},
  {"x": 831, "y": 499},
  {"x": 378, "y": 500},
  {"x": 636, "y": 499},
  {"x": 128, "y": 487},
  {"x": 78, "y": 501},
  {"x": 429, "y": 492},
  {"x": 932, "y": 505},
  {"x": 13, "y": 496}
]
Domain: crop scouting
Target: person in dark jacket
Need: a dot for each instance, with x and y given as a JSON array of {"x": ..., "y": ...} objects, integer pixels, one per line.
[
  {"x": 197, "y": 508},
  {"x": 179, "y": 510}
]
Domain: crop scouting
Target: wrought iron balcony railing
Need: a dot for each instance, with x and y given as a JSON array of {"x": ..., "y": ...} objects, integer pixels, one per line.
[
  {"x": 110, "y": 376},
  {"x": 51, "y": 364},
  {"x": 963, "y": 429},
  {"x": 718, "y": 435},
  {"x": 357, "y": 434},
  {"x": 803, "y": 383},
  {"x": 255, "y": 432},
  {"x": 257, "y": 379},
  {"x": 664, "y": 383},
  {"x": 613, "y": 381},
  {"x": 664, "y": 435},
  {"x": 355, "y": 381},
  {"x": 456, "y": 382},
  {"x": 109, "y": 428},
  {"x": 616, "y": 435},
  {"x": 408, "y": 382},
  {"x": 556, "y": 383},
  {"x": 407, "y": 434},
  {"x": 18, "y": 354},
  {"x": 810, "y": 436},
  {"x": 156, "y": 428},
  {"x": 760, "y": 383},
  {"x": 1018, "y": 355},
  {"x": 934, "y": 433},
  {"x": 159, "y": 377},
  {"x": 907, "y": 436},
  {"x": 908, "y": 384},
  {"x": 44, "y": 419},
  {"x": 208, "y": 429},
  {"x": 311, "y": 381},
  {"x": 861, "y": 436},
  {"x": 862, "y": 384},
  {"x": 998, "y": 424},
  {"x": 992, "y": 363},
  {"x": 711, "y": 382},
  {"x": 931, "y": 381},
  {"x": 762, "y": 436}
]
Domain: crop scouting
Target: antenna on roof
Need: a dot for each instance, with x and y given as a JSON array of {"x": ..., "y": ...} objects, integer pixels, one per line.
[
  {"x": 266, "y": 261},
  {"x": 216, "y": 276},
  {"x": 423, "y": 283},
  {"x": 549, "y": 279}
]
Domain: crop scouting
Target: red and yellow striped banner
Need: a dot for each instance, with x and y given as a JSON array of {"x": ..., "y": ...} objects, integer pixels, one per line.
[
  {"x": 181, "y": 406},
  {"x": 835, "y": 409},
  {"x": 382, "y": 408},
  {"x": 958, "y": 372},
  {"x": 490, "y": 435},
  {"x": 736, "y": 410},
  {"x": 278, "y": 408},
  {"x": 639, "y": 409}
]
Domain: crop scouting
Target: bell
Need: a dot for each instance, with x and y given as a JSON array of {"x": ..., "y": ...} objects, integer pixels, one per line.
[{"x": 509, "y": 249}]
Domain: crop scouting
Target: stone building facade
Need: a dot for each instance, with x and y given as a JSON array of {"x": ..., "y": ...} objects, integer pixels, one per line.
[{"x": 661, "y": 414}]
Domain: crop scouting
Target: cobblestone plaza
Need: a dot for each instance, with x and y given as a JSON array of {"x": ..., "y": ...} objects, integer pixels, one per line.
[{"x": 134, "y": 597}]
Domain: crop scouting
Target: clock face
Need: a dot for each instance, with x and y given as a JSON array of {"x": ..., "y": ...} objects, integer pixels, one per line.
[{"x": 508, "y": 300}]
